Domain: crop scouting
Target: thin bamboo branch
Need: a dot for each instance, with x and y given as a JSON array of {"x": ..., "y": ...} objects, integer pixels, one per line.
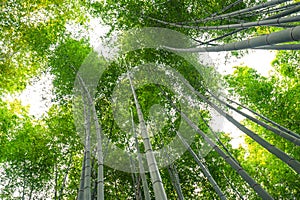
[
  {"x": 227, "y": 8},
  {"x": 65, "y": 178}
]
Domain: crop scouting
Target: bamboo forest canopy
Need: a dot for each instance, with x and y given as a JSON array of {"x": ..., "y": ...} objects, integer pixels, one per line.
[{"x": 136, "y": 97}]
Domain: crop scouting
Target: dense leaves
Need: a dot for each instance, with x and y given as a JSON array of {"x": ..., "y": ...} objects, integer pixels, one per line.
[
  {"x": 276, "y": 98},
  {"x": 42, "y": 158}
]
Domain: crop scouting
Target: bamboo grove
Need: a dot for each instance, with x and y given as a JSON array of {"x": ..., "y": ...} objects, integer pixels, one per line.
[{"x": 52, "y": 157}]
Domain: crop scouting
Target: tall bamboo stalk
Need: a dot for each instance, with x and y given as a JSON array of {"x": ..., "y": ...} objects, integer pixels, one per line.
[
  {"x": 289, "y": 137},
  {"x": 252, "y": 183},
  {"x": 159, "y": 190},
  {"x": 204, "y": 169},
  {"x": 87, "y": 170},
  {"x": 266, "y": 22},
  {"x": 141, "y": 166},
  {"x": 232, "y": 14},
  {"x": 81, "y": 185},
  {"x": 266, "y": 119},
  {"x": 100, "y": 175}
]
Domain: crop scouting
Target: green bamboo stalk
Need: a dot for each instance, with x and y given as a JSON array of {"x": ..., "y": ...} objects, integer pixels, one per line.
[
  {"x": 280, "y": 47},
  {"x": 203, "y": 168},
  {"x": 294, "y": 164},
  {"x": 159, "y": 190},
  {"x": 87, "y": 175},
  {"x": 100, "y": 175},
  {"x": 289, "y": 137},
  {"x": 266, "y": 22},
  {"x": 288, "y": 35},
  {"x": 141, "y": 166},
  {"x": 266, "y": 119}
]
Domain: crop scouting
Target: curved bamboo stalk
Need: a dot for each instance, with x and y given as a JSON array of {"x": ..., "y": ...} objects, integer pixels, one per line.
[
  {"x": 289, "y": 137},
  {"x": 159, "y": 190},
  {"x": 288, "y": 35},
  {"x": 204, "y": 169}
]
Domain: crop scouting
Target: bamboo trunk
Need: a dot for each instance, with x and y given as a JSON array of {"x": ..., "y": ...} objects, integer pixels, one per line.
[
  {"x": 288, "y": 35},
  {"x": 266, "y": 119},
  {"x": 294, "y": 164},
  {"x": 204, "y": 169},
  {"x": 141, "y": 166},
  {"x": 100, "y": 176},
  {"x": 289, "y": 137},
  {"x": 159, "y": 190}
]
